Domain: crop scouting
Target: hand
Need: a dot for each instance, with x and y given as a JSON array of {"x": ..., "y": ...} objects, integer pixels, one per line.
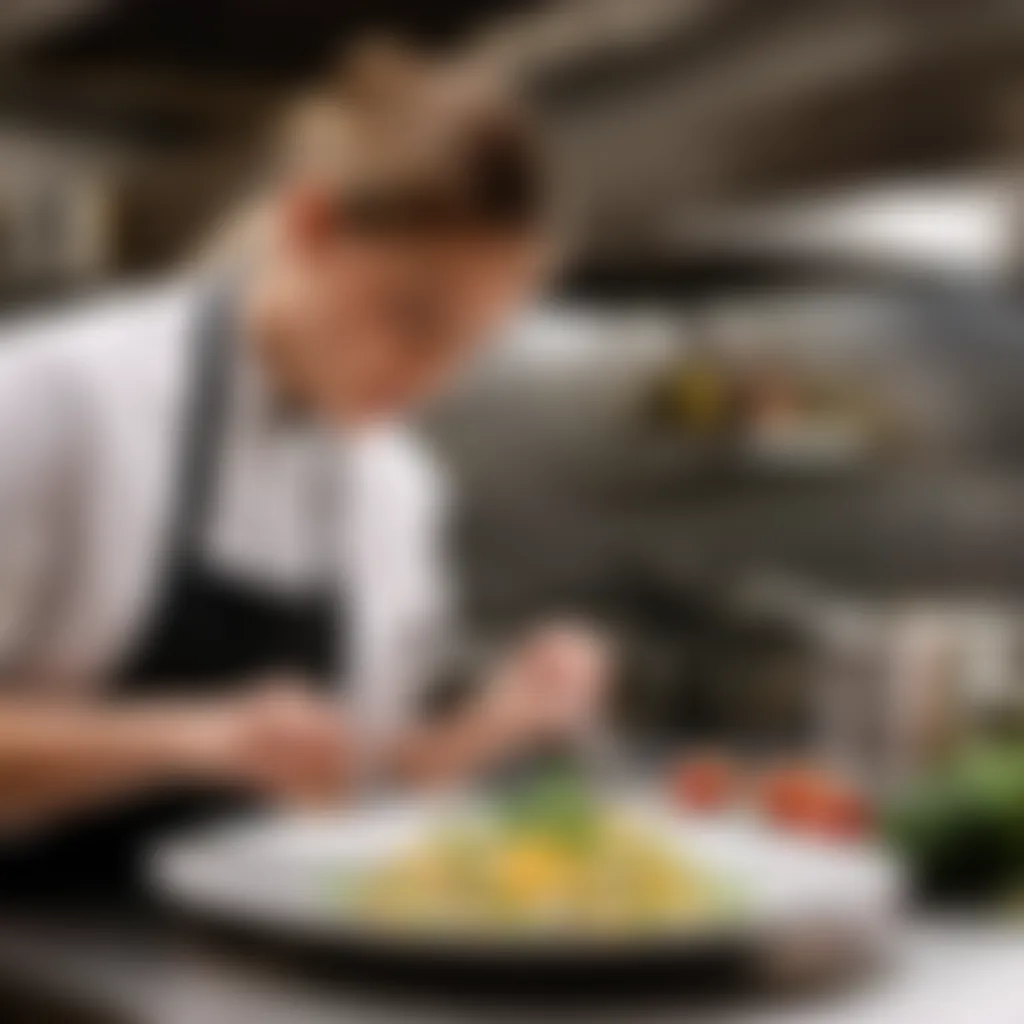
[
  {"x": 282, "y": 741},
  {"x": 554, "y": 685}
]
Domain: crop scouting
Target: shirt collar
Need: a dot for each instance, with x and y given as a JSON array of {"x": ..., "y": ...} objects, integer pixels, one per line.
[{"x": 253, "y": 394}]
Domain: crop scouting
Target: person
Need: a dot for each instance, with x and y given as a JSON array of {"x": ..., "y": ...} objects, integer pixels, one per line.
[{"x": 221, "y": 567}]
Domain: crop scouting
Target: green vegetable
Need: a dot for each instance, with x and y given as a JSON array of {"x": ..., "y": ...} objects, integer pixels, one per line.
[
  {"x": 558, "y": 805},
  {"x": 962, "y": 830}
]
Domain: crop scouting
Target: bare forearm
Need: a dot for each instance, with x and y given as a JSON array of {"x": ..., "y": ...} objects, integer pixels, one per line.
[
  {"x": 275, "y": 738},
  {"x": 55, "y": 758},
  {"x": 551, "y": 688},
  {"x": 459, "y": 746}
]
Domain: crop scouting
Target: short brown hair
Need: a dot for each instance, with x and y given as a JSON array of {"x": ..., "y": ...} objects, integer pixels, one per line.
[{"x": 409, "y": 142}]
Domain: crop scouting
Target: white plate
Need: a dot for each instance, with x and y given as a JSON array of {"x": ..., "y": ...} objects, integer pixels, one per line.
[{"x": 276, "y": 874}]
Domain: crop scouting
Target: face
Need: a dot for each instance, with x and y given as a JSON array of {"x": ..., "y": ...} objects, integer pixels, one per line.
[{"x": 380, "y": 324}]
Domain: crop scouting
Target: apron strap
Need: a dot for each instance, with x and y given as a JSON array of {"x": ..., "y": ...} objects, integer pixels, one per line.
[
  {"x": 207, "y": 389},
  {"x": 202, "y": 444}
]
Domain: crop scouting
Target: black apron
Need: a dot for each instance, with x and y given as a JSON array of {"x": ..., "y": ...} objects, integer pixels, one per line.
[{"x": 210, "y": 635}]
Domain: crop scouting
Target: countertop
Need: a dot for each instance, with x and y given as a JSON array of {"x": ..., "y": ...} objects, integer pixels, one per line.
[{"x": 146, "y": 967}]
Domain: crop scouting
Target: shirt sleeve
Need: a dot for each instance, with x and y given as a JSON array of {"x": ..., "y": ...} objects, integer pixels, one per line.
[{"x": 35, "y": 493}]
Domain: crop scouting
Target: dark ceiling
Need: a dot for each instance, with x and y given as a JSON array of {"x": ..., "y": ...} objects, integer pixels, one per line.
[{"x": 262, "y": 36}]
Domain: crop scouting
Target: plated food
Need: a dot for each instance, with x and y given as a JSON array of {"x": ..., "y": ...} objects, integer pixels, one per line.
[
  {"x": 550, "y": 861},
  {"x": 549, "y": 879}
]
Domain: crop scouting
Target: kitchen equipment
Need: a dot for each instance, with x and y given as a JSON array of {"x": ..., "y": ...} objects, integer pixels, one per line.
[
  {"x": 902, "y": 685},
  {"x": 891, "y": 686}
]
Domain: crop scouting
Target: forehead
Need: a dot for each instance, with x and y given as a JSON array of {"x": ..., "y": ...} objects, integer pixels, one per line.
[{"x": 466, "y": 257}]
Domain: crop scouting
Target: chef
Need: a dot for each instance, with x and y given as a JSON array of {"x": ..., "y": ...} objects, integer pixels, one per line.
[{"x": 220, "y": 562}]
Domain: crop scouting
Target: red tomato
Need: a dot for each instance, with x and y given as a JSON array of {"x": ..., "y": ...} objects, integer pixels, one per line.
[
  {"x": 845, "y": 814},
  {"x": 704, "y": 784},
  {"x": 813, "y": 800},
  {"x": 786, "y": 797}
]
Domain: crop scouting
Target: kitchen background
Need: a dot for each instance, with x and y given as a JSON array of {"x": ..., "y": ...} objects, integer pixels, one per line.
[{"x": 770, "y": 426}]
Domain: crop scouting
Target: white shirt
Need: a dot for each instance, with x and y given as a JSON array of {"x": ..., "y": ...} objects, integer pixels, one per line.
[{"x": 92, "y": 406}]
